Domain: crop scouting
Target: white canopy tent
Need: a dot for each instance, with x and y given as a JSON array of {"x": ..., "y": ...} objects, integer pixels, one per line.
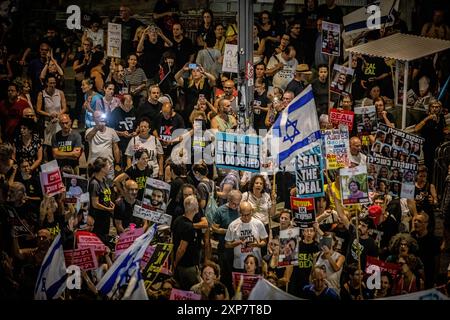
[{"x": 402, "y": 48}]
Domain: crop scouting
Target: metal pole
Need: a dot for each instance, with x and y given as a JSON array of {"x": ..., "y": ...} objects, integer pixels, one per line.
[
  {"x": 397, "y": 67},
  {"x": 405, "y": 88},
  {"x": 245, "y": 63}
]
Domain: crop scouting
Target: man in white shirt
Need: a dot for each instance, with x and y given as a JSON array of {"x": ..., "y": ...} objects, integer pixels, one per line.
[
  {"x": 246, "y": 235},
  {"x": 356, "y": 156},
  {"x": 282, "y": 67}
]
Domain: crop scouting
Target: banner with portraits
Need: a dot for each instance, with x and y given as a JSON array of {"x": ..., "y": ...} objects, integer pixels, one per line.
[
  {"x": 393, "y": 162},
  {"x": 331, "y": 38}
]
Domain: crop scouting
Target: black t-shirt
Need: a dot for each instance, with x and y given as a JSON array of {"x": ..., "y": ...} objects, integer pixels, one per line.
[
  {"x": 183, "y": 229},
  {"x": 166, "y": 127},
  {"x": 367, "y": 247},
  {"x": 101, "y": 190},
  {"x": 67, "y": 144},
  {"x": 166, "y": 23},
  {"x": 140, "y": 176},
  {"x": 334, "y": 15},
  {"x": 306, "y": 253},
  {"x": 120, "y": 120},
  {"x": 152, "y": 56},
  {"x": 259, "y": 116},
  {"x": 182, "y": 50},
  {"x": 123, "y": 211},
  {"x": 175, "y": 186},
  {"x": 128, "y": 31},
  {"x": 148, "y": 110},
  {"x": 429, "y": 249},
  {"x": 191, "y": 93},
  {"x": 33, "y": 188}
]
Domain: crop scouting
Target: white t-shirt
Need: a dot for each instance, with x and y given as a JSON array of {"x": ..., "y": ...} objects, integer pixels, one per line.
[
  {"x": 153, "y": 146},
  {"x": 261, "y": 206},
  {"x": 101, "y": 144},
  {"x": 333, "y": 277},
  {"x": 249, "y": 232},
  {"x": 282, "y": 78}
]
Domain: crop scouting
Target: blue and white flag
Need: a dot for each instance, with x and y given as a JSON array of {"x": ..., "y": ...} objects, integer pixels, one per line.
[
  {"x": 296, "y": 128},
  {"x": 51, "y": 280},
  {"x": 123, "y": 268},
  {"x": 136, "y": 286},
  {"x": 359, "y": 22}
]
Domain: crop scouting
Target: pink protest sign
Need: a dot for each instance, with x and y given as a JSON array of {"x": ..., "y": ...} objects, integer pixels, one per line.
[
  {"x": 126, "y": 239},
  {"x": 183, "y": 295},
  {"x": 87, "y": 239},
  {"x": 84, "y": 258},
  {"x": 52, "y": 183},
  {"x": 249, "y": 281}
]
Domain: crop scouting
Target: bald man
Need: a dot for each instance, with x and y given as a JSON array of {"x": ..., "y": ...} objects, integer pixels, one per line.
[
  {"x": 124, "y": 207},
  {"x": 356, "y": 156},
  {"x": 246, "y": 235},
  {"x": 66, "y": 144}
]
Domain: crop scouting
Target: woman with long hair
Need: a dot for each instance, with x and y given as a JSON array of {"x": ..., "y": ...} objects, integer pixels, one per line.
[{"x": 102, "y": 206}]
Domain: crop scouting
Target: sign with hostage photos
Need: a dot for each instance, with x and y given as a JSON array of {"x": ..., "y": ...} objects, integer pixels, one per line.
[
  {"x": 394, "y": 161},
  {"x": 156, "y": 196},
  {"x": 289, "y": 239},
  {"x": 354, "y": 188},
  {"x": 366, "y": 120},
  {"x": 341, "y": 79}
]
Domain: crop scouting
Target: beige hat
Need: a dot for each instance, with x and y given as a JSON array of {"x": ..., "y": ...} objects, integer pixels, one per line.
[{"x": 303, "y": 68}]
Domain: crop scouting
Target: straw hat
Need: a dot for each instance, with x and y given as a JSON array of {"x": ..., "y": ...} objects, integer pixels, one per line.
[{"x": 303, "y": 68}]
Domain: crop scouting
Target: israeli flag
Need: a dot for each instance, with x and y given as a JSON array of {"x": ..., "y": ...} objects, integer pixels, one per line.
[
  {"x": 296, "y": 129},
  {"x": 124, "y": 267},
  {"x": 136, "y": 286},
  {"x": 51, "y": 280}
]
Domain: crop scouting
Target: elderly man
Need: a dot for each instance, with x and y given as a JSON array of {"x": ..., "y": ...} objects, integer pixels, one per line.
[
  {"x": 356, "y": 157},
  {"x": 246, "y": 235}
]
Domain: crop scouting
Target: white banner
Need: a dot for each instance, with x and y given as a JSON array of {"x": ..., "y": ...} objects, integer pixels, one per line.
[{"x": 114, "y": 40}]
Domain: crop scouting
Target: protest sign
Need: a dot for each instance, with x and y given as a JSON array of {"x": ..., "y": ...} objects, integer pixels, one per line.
[
  {"x": 342, "y": 117},
  {"x": 354, "y": 188},
  {"x": 87, "y": 239},
  {"x": 337, "y": 148},
  {"x": 238, "y": 151},
  {"x": 309, "y": 174},
  {"x": 366, "y": 120},
  {"x": 126, "y": 239},
  {"x": 393, "y": 162},
  {"x": 75, "y": 186},
  {"x": 331, "y": 38},
  {"x": 157, "y": 217},
  {"x": 50, "y": 178},
  {"x": 392, "y": 268},
  {"x": 177, "y": 294},
  {"x": 155, "y": 262},
  {"x": 156, "y": 196},
  {"x": 249, "y": 281},
  {"x": 84, "y": 258},
  {"x": 230, "y": 58},
  {"x": 304, "y": 213},
  {"x": 289, "y": 239},
  {"x": 341, "y": 79},
  {"x": 114, "y": 40}
]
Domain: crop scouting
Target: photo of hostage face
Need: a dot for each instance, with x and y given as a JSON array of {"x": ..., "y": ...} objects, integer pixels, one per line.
[{"x": 157, "y": 198}]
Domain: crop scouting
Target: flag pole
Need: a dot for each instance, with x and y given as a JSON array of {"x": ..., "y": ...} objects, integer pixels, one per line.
[
  {"x": 359, "y": 252},
  {"x": 329, "y": 83}
]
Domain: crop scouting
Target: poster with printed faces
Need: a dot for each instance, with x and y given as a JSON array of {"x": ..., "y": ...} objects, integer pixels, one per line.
[
  {"x": 76, "y": 186},
  {"x": 337, "y": 148},
  {"x": 230, "y": 58},
  {"x": 354, "y": 188},
  {"x": 341, "y": 80},
  {"x": 366, "y": 120},
  {"x": 156, "y": 195},
  {"x": 289, "y": 247},
  {"x": 331, "y": 38}
]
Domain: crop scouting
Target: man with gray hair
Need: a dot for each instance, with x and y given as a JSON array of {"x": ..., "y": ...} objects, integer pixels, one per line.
[{"x": 185, "y": 266}]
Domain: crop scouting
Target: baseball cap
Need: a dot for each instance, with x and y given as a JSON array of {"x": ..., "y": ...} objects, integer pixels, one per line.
[{"x": 375, "y": 212}]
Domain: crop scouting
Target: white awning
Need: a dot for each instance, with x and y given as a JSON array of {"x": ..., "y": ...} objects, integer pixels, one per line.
[{"x": 403, "y": 47}]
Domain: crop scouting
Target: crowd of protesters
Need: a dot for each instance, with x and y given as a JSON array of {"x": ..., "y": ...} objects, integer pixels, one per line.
[{"x": 121, "y": 130}]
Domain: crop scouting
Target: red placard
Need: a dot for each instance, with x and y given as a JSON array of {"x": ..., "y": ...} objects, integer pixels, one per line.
[
  {"x": 84, "y": 258},
  {"x": 344, "y": 117}
]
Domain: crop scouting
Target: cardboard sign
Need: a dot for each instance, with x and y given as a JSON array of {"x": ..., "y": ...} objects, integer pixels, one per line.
[
  {"x": 76, "y": 186},
  {"x": 230, "y": 58},
  {"x": 157, "y": 217},
  {"x": 155, "y": 262},
  {"x": 337, "y": 148},
  {"x": 238, "y": 151},
  {"x": 177, "y": 294},
  {"x": 114, "y": 40},
  {"x": 249, "y": 282},
  {"x": 126, "y": 239},
  {"x": 309, "y": 173},
  {"x": 354, "y": 188},
  {"x": 156, "y": 196},
  {"x": 87, "y": 239},
  {"x": 84, "y": 258},
  {"x": 51, "y": 180},
  {"x": 342, "y": 117},
  {"x": 331, "y": 38},
  {"x": 289, "y": 240},
  {"x": 304, "y": 213}
]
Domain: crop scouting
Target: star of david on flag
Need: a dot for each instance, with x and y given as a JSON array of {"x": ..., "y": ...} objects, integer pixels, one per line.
[{"x": 295, "y": 130}]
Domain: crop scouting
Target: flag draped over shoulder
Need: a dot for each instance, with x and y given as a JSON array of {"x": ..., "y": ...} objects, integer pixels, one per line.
[
  {"x": 264, "y": 290},
  {"x": 296, "y": 128},
  {"x": 124, "y": 268},
  {"x": 51, "y": 280}
]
